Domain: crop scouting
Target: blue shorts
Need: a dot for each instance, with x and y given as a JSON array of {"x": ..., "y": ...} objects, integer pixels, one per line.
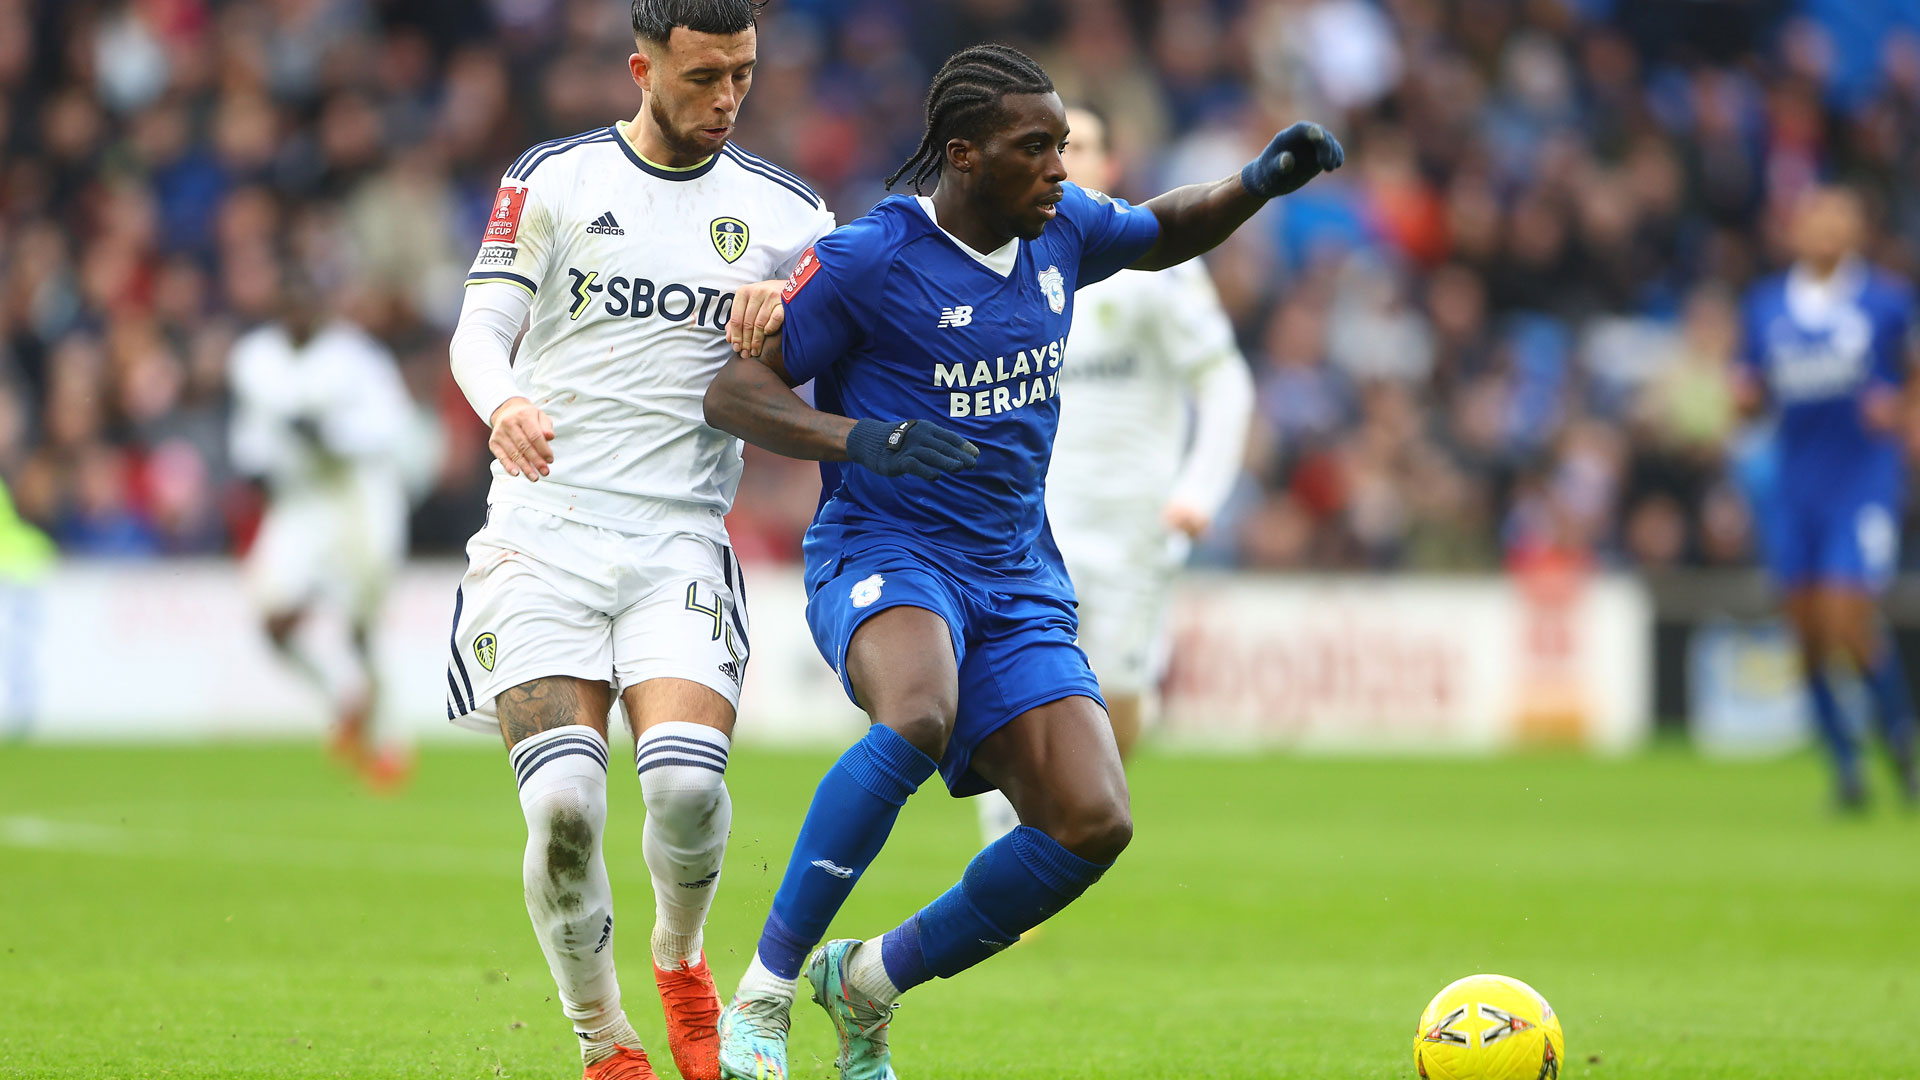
[
  {"x": 1852, "y": 541},
  {"x": 1014, "y": 645}
]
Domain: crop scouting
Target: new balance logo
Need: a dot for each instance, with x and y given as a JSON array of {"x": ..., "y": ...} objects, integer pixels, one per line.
[
  {"x": 606, "y": 226},
  {"x": 955, "y": 316},
  {"x": 842, "y": 872}
]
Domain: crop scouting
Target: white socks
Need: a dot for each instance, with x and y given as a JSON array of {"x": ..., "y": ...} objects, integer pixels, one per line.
[
  {"x": 997, "y": 816},
  {"x": 682, "y": 768},
  {"x": 563, "y": 791},
  {"x": 761, "y": 982},
  {"x": 867, "y": 973}
]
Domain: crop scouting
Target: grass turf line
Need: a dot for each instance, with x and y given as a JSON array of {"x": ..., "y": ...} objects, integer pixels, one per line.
[{"x": 245, "y": 911}]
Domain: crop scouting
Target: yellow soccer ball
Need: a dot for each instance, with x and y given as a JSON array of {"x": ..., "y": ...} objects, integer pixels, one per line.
[{"x": 1489, "y": 1027}]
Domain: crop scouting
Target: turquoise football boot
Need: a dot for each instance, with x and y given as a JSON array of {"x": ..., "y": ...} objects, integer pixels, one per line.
[
  {"x": 753, "y": 1039},
  {"x": 861, "y": 1024}
]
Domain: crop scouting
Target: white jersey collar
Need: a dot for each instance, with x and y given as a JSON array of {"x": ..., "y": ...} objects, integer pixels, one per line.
[
  {"x": 1001, "y": 260},
  {"x": 1812, "y": 302}
]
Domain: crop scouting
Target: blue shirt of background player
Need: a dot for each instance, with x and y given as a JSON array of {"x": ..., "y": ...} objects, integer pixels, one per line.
[
  {"x": 898, "y": 322},
  {"x": 1819, "y": 351}
]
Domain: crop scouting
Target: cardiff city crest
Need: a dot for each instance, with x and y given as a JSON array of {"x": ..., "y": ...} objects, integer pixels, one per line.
[
  {"x": 866, "y": 590},
  {"x": 1054, "y": 286}
]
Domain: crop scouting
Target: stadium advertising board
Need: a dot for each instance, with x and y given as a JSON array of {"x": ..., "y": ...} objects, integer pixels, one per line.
[
  {"x": 175, "y": 651},
  {"x": 1361, "y": 664}
]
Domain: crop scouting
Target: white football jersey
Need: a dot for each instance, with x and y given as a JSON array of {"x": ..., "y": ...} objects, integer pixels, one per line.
[
  {"x": 306, "y": 416},
  {"x": 633, "y": 269},
  {"x": 1140, "y": 344}
]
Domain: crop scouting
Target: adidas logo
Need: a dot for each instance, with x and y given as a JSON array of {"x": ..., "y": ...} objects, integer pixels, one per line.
[
  {"x": 731, "y": 669},
  {"x": 606, "y": 935},
  {"x": 606, "y": 226},
  {"x": 841, "y": 872}
]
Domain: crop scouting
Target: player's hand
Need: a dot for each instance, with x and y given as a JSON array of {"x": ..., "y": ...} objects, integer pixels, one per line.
[
  {"x": 1182, "y": 518},
  {"x": 757, "y": 315},
  {"x": 522, "y": 439},
  {"x": 1880, "y": 409},
  {"x": 1749, "y": 397},
  {"x": 1294, "y": 157},
  {"x": 919, "y": 448}
]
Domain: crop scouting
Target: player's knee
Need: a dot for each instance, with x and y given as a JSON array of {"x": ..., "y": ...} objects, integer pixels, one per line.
[
  {"x": 563, "y": 829},
  {"x": 1098, "y": 832},
  {"x": 691, "y": 801},
  {"x": 927, "y": 727}
]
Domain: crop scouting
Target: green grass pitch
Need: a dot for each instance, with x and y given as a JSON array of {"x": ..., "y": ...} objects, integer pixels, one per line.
[{"x": 244, "y": 911}]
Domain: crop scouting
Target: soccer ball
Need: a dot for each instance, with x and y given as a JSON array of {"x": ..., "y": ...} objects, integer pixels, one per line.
[{"x": 1489, "y": 1027}]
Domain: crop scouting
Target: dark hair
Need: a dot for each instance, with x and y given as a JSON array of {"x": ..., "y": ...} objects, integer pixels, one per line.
[
  {"x": 964, "y": 102},
  {"x": 654, "y": 20}
]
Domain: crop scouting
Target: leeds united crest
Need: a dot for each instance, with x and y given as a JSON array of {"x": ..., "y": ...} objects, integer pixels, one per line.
[{"x": 729, "y": 238}]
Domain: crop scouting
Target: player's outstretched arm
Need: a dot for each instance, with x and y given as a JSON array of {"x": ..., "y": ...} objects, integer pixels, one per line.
[
  {"x": 751, "y": 399},
  {"x": 1195, "y": 219}
]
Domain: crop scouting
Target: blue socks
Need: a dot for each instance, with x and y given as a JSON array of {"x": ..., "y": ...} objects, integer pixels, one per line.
[
  {"x": 853, "y": 811},
  {"x": 1887, "y": 679},
  {"x": 1833, "y": 726},
  {"x": 1013, "y": 885}
]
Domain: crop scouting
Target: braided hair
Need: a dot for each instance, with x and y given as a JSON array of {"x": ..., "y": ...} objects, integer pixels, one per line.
[{"x": 964, "y": 102}]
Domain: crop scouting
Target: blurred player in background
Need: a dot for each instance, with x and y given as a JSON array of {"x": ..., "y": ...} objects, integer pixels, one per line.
[
  {"x": 321, "y": 417},
  {"x": 1153, "y": 426},
  {"x": 604, "y": 567},
  {"x": 934, "y": 329},
  {"x": 1827, "y": 346}
]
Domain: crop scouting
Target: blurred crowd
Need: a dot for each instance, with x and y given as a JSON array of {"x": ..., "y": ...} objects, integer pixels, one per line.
[{"x": 1502, "y": 333}]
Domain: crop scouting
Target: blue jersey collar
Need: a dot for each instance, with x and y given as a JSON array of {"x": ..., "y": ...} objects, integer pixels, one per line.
[{"x": 1001, "y": 260}]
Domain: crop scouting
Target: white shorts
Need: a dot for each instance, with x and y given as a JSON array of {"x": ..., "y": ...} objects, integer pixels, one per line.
[
  {"x": 1123, "y": 586},
  {"x": 544, "y": 596},
  {"x": 339, "y": 543}
]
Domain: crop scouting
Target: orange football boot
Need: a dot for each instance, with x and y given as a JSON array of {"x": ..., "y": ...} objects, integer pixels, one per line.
[
  {"x": 693, "y": 1018},
  {"x": 387, "y": 770},
  {"x": 625, "y": 1064}
]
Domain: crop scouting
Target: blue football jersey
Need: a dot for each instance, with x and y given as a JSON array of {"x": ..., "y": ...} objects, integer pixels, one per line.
[
  {"x": 1819, "y": 352},
  {"x": 894, "y": 320}
]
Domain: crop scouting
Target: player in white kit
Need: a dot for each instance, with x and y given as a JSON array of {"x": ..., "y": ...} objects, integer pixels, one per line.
[
  {"x": 321, "y": 418},
  {"x": 1155, "y": 403},
  {"x": 604, "y": 566}
]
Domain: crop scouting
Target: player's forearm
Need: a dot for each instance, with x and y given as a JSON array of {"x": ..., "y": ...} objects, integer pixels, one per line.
[
  {"x": 1223, "y": 412},
  {"x": 1197, "y": 218},
  {"x": 481, "y": 352},
  {"x": 749, "y": 400}
]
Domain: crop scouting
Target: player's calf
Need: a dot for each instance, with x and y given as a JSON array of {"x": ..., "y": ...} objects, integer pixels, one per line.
[
  {"x": 682, "y": 769},
  {"x": 561, "y": 770}
]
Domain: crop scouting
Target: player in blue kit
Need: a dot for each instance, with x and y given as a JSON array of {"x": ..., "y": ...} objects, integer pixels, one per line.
[
  {"x": 1827, "y": 345},
  {"x": 934, "y": 329}
]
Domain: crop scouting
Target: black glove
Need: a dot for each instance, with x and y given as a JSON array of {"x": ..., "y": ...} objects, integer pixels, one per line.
[
  {"x": 919, "y": 448},
  {"x": 1294, "y": 157}
]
